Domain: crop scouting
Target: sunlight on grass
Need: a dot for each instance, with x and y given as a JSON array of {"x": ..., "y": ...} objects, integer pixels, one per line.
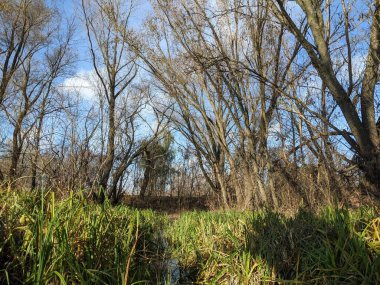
[
  {"x": 332, "y": 247},
  {"x": 74, "y": 241}
]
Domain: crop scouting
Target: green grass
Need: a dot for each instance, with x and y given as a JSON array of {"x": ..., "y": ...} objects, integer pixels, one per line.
[
  {"x": 332, "y": 247},
  {"x": 74, "y": 241}
]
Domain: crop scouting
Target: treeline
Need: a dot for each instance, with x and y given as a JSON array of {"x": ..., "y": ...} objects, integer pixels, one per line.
[{"x": 251, "y": 102}]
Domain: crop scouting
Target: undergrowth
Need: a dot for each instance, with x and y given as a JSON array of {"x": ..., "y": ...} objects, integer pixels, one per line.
[
  {"x": 332, "y": 247},
  {"x": 74, "y": 241}
]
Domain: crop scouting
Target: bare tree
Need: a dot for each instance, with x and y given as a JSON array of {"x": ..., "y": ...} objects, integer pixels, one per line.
[
  {"x": 107, "y": 28},
  {"x": 39, "y": 55},
  {"x": 222, "y": 86},
  {"x": 363, "y": 136}
]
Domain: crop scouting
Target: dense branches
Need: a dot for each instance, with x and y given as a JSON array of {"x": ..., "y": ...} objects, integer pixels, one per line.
[{"x": 265, "y": 102}]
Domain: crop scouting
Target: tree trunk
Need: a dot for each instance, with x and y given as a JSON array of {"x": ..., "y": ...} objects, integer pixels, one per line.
[
  {"x": 16, "y": 150},
  {"x": 147, "y": 173},
  {"x": 110, "y": 156},
  {"x": 37, "y": 150},
  {"x": 223, "y": 187},
  {"x": 362, "y": 126}
]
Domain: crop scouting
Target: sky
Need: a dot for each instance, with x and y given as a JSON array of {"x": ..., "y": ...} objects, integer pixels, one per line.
[
  {"x": 82, "y": 79},
  {"x": 83, "y": 75}
]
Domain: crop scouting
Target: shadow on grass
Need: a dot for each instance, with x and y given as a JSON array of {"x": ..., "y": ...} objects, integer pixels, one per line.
[
  {"x": 333, "y": 247},
  {"x": 324, "y": 249}
]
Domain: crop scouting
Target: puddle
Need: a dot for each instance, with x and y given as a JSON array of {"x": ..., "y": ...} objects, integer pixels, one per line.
[{"x": 171, "y": 271}]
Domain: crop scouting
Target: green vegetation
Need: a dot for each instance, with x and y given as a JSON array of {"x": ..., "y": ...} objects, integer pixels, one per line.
[
  {"x": 74, "y": 241},
  {"x": 333, "y": 247}
]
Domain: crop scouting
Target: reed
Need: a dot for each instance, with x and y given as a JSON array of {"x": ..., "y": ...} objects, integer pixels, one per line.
[
  {"x": 332, "y": 247},
  {"x": 74, "y": 241}
]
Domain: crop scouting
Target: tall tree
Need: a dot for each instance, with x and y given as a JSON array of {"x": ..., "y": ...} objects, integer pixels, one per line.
[
  {"x": 107, "y": 28},
  {"x": 215, "y": 63},
  {"x": 35, "y": 54},
  {"x": 364, "y": 134}
]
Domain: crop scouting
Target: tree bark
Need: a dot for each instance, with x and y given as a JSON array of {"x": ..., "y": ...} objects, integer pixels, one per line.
[{"x": 362, "y": 127}]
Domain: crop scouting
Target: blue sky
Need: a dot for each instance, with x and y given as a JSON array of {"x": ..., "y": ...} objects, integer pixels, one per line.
[
  {"x": 83, "y": 69},
  {"x": 72, "y": 9}
]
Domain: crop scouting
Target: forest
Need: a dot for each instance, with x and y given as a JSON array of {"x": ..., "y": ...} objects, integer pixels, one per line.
[{"x": 189, "y": 142}]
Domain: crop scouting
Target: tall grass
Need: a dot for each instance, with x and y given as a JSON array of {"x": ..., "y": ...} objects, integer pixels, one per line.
[
  {"x": 333, "y": 247},
  {"x": 73, "y": 241}
]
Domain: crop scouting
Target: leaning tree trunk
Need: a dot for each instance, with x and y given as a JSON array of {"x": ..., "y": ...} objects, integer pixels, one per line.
[
  {"x": 16, "y": 149},
  {"x": 362, "y": 122},
  {"x": 147, "y": 173}
]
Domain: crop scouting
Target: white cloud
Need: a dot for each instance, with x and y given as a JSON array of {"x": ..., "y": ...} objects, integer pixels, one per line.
[{"x": 82, "y": 83}]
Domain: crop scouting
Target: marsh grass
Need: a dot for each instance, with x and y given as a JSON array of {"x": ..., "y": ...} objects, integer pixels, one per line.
[
  {"x": 74, "y": 241},
  {"x": 332, "y": 247}
]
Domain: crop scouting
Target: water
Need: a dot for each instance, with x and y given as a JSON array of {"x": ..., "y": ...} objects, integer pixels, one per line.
[{"x": 172, "y": 272}]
